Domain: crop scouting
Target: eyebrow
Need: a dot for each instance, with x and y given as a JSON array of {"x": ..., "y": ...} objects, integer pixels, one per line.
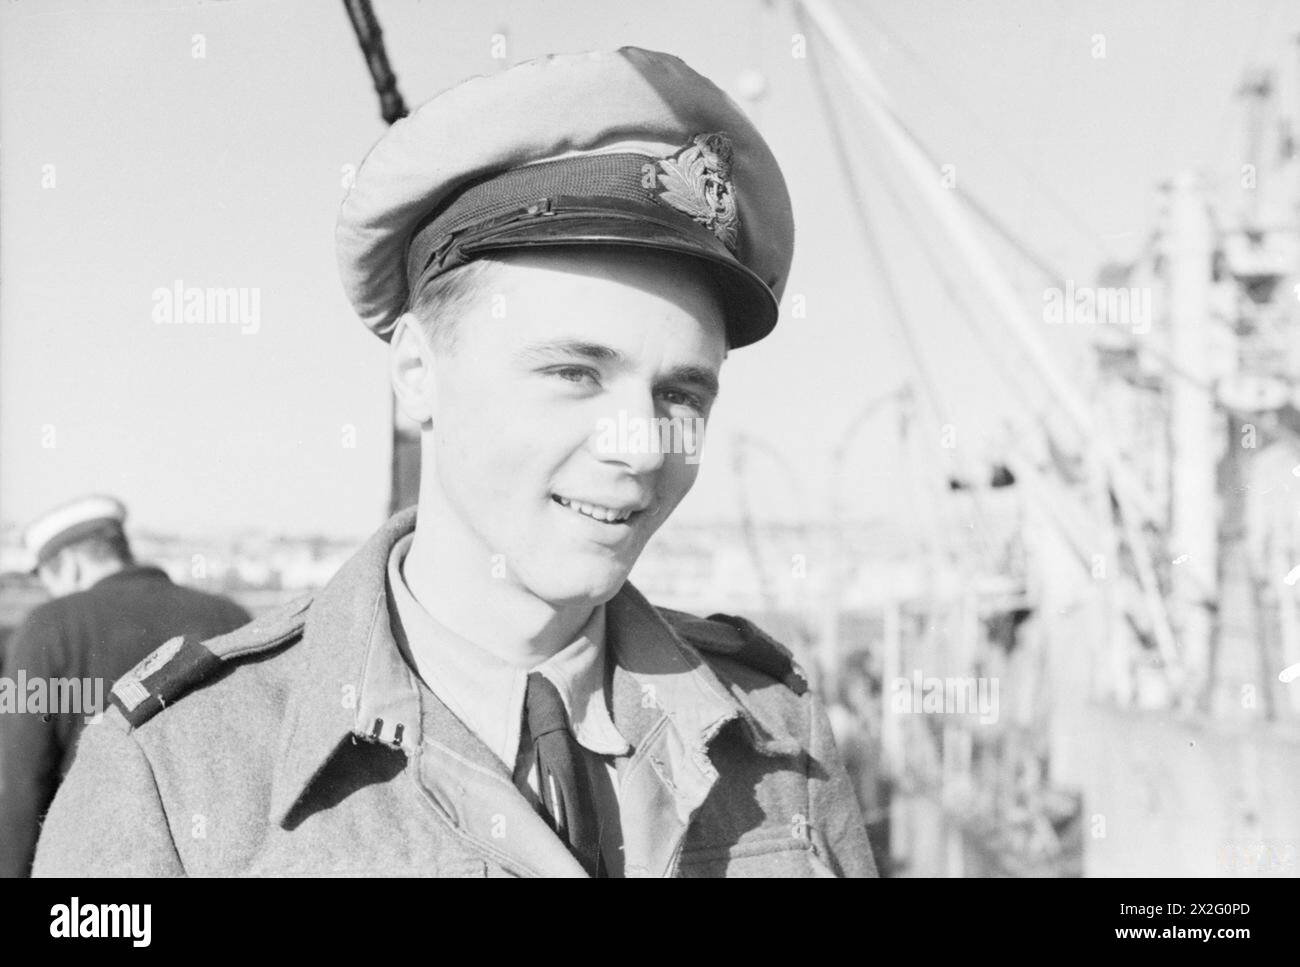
[
  {"x": 567, "y": 349},
  {"x": 542, "y": 352}
]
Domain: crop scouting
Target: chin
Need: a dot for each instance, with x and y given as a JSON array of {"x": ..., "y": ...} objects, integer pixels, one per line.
[{"x": 572, "y": 585}]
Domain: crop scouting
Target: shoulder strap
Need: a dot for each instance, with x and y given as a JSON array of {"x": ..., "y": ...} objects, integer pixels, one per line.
[
  {"x": 186, "y": 661},
  {"x": 742, "y": 640}
]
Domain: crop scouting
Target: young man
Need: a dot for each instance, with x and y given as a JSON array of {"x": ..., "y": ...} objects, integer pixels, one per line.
[
  {"x": 576, "y": 242},
  {"x": 106, "y": 615}
]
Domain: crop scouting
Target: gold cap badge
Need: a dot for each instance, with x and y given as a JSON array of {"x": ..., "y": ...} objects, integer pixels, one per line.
[{"x": 697, "y": 182}]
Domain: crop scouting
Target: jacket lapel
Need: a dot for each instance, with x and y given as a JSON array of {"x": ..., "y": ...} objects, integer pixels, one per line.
[{"x": 670, "y": 706}]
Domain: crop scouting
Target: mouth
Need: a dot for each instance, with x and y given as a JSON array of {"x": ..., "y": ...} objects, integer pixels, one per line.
[{"x": 599, "y": 512}]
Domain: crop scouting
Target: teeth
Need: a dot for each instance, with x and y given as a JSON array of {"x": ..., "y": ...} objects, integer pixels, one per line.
[{"x": 606, "y": 514}]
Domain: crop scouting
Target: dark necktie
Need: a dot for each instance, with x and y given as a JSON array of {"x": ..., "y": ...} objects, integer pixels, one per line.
[{"x": 568, "y": 798}]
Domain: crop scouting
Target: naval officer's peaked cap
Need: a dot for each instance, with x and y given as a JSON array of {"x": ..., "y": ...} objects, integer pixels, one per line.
[{"x": 624, "y": 148}]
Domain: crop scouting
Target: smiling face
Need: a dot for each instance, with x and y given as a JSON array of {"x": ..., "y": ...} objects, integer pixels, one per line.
[{"x": 553, "y": 352}]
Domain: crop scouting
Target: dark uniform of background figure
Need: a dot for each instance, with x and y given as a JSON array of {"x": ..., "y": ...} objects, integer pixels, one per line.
[{"x": 108, "y": 613}]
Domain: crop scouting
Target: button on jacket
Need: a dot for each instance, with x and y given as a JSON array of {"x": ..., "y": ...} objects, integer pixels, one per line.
[
  {"x": 92, "y": 636},
  {"x": 304, "y": 744}
]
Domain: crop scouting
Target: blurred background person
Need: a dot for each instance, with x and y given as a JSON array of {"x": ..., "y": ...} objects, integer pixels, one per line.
[{"x": 107, "y": 614}]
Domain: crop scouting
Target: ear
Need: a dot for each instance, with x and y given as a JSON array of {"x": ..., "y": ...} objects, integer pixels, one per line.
[
  {"x": 411, "y": 369},
  {"x": 72, "y": 571}
]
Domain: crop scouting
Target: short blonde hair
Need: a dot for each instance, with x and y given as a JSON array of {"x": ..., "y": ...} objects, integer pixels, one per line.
[{"x": 440, "y": 302}]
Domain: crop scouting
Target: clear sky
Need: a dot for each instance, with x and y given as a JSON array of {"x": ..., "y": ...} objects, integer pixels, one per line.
[{"x": 130, "y": 163}]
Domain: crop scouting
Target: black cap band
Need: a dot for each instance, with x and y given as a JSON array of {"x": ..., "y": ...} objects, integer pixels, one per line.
[{"x": 601, "y": 200}]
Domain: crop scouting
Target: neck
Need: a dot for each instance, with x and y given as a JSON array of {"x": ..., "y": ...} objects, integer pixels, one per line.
[
  {"x": 92, "y": 572},
  {"x": 450, "y": 573}
]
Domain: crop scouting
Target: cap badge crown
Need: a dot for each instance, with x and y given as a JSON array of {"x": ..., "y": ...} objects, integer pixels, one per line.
[{"x": 697, "y": 182}]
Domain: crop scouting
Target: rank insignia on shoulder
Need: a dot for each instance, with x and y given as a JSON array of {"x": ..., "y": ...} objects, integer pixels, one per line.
[
  {"x": 164, "y": 674},
  {"x": 183, "y": 663}
]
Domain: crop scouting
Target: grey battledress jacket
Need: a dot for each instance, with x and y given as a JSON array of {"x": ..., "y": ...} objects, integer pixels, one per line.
[{"x": 303, "y": 744}]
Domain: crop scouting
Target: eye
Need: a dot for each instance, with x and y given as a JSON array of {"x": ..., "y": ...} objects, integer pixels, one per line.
[
  {"x": 575, "y": 374},
  {"x": 682, "y": 398}
]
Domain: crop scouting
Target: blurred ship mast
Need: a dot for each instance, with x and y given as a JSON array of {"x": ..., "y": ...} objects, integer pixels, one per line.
[
  {"x": 371, "y": 40},
  {"x": 404, "y": 463}
]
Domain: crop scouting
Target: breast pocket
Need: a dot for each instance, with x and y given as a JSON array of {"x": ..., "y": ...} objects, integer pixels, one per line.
[{"x": 787, "y": 857}]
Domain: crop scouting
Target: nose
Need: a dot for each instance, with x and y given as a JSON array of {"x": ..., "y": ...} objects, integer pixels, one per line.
[{"x": 630, "y": 434}]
